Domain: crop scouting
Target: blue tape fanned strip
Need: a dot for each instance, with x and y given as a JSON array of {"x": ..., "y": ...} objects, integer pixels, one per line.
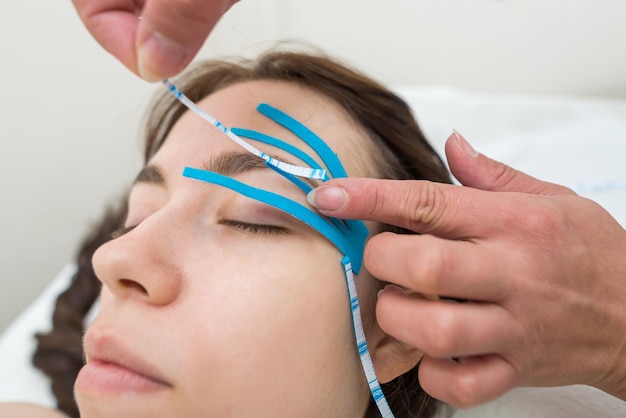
[
  {"x": 278, "y": 143},
  {"x": 354, "y": 229},
  {"x": 322, "y": 149}
]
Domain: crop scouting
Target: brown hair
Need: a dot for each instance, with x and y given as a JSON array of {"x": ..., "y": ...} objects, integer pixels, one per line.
[
  {"x": 384, "y": 117},
  {"x": 59, "y": 352}
]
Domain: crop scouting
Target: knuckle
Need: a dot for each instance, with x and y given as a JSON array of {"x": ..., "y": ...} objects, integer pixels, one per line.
[
  {"x": 378, "y": 203},
  {"x": 415, "y": 205},
  {"x": 548, "y": 217},
  {"x": 504, "y": 176},
  {"x": 425, "y": 203},
  {"x": 443, "y": 335},
  {"x": 537, "y": 222},
  {"x": 432, "y": 269}
]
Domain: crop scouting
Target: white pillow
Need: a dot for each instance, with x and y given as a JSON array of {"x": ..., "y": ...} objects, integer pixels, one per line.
[
  {"x": 579, "y": 143},
  {"x": 20, "y": 381}
]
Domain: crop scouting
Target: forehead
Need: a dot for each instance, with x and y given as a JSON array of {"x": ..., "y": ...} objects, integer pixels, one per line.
[{"x": 235, "y": 106}]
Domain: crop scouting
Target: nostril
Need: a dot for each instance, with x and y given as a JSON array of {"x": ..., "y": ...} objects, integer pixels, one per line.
[{"x": 133, "y": 285}]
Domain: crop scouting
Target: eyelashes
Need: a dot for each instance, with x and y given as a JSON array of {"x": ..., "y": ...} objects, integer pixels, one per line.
[{"x": 258, "y": 229}]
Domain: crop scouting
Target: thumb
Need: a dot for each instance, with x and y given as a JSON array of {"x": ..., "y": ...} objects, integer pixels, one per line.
[
  {"x": 171, "y": 32},
  {"x": 475, "y": 170}
]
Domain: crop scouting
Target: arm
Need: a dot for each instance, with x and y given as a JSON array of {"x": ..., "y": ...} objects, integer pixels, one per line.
[
  {"x": 544, "y": 271},
  {"x": 153, "y": 38}
]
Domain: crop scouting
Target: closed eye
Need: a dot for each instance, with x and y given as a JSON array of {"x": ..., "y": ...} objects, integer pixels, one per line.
[{"x": 257, "y": 228}]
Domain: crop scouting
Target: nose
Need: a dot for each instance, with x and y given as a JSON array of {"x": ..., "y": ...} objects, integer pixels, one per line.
[{"x": 141, "y": 264}]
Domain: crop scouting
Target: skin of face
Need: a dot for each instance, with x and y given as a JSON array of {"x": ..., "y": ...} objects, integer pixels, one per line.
[{"x": 225, "y": 320}]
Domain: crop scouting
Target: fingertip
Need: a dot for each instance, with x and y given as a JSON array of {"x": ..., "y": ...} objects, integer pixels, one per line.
[
  {"x": 159, "y": 57},
  {"x": 463, "y": 144},
  {"x": 390, "y": 289},
  {"x": 328, "y": 198},
  {"x": 468, "y": 166},
  {"x": 171, "y": 33},
  {"x": 463, "y": 159},
  {"x": 468, "y": 381}
]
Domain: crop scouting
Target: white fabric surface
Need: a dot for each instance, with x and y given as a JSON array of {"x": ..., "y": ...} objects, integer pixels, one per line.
[
  {"x": 579, "y": 143},
  {"x": 575, "y": 142},
  {"x": 19, "y": 380},
  {"x": 564, "y": 402}
]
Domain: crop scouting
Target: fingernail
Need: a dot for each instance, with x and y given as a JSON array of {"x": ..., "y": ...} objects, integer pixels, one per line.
[
  {"x": 390, "y": 288},
  {"x": 159, "y": 57},
  {"x": 329, "y": 198},
  {"x": 465, "y": 146}
]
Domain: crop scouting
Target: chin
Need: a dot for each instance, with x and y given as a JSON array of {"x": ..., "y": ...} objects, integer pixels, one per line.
[{"x": 130, "y": 406}]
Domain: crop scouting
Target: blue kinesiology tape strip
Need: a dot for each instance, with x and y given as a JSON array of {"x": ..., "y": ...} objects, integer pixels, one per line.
[
  {"x": 330, "y": 159},
  {"x": 294, "y": 179},
  {"x": 339, "y": 223},
  {"x": 270, "y": 140},
  {"x": 299, "y": 171},
  {"x": 351, "y": 248},
  {"x": 328, "y": 156},
  {"x": 361, "y": 343}
]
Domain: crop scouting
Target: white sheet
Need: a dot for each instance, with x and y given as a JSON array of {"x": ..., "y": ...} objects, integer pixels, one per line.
[
  {"x": 19, "y": 380},
  {"x": 579, "y": 143}
]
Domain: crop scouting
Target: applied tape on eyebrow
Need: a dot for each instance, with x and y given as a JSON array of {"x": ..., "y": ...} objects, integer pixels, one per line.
[
  {"x": 308, "y": 172},
  {"x": 347, "y": 235}
]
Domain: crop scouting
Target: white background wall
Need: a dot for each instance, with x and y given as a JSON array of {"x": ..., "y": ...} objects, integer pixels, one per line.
[{"x": 69, "y": 113}]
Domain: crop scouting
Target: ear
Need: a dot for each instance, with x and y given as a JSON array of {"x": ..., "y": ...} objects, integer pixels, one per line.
[{"x": 391, "y": 357}]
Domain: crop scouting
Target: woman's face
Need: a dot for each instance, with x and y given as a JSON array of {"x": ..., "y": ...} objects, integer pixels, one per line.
[{"x": 215, "y": 304}]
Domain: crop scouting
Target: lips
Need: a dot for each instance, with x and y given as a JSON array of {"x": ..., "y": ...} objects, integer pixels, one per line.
[{"x": 112, "y": 368}]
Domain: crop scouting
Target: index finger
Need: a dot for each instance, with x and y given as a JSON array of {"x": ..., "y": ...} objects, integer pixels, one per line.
[
  {"x": 114, "y": 24},
  {"x": 172, "y": 32},
  {"x": 445, "y": 210},
  {"x": 162, "y": 42}
]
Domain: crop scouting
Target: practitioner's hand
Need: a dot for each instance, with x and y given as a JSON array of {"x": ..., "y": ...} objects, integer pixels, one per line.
[
  {"x": 544, "y": 271},
  {"x": 162, "y": 41}
]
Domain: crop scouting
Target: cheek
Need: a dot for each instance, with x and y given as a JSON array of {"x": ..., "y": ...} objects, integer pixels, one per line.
[
  {"x": 287, "y": 317},
  {"x": 277, "y": 296}
]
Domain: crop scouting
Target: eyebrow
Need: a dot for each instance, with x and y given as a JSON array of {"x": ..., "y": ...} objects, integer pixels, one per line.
[
  {"x": 231, "y": 164},
  {"x": 228, "y": 164}
]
